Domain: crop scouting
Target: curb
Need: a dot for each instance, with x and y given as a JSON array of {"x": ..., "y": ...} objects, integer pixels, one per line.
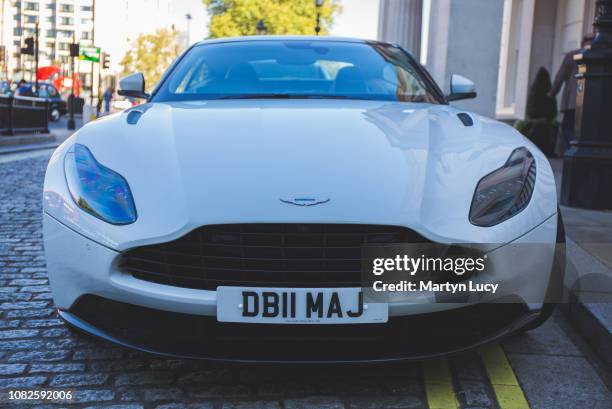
[
  {"x": 593, "y": 320},
  {"x": 25, "y": 139},
  {"x": 27, "y": 148},
  {"x": 588, "y": 319}
]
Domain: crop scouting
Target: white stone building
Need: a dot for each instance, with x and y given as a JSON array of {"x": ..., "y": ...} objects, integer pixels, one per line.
[
  {"x": 60, "y": 21},
  {"x": 109, "y": 24},
  {"x": 500, "y": 44}
]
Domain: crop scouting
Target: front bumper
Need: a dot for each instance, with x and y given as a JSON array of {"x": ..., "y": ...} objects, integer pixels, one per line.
[
  {"x": 139, "y": 314},
  {"x": 412, "y": 337}
]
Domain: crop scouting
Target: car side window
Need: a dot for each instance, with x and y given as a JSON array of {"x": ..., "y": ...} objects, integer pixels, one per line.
[
  {"x": 53, "y": 92},
  {"x": 43, "y": 91}
]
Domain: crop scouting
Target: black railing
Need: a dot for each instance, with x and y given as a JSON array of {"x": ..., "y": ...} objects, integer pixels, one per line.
[{"x": 23, "y": 114}]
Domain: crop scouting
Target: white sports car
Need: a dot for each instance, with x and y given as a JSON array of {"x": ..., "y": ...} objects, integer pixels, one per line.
[{"x": 226, "y": 217}]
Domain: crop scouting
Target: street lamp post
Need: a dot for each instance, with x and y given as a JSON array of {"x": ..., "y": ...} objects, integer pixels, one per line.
[
  {"x": 261, "y": 29},
  {"x": 318, "y": 4},
  {"x": 587, "y": 169},
  {"x": 188, "y": 17},
  {"x": 74, "y": 52}
]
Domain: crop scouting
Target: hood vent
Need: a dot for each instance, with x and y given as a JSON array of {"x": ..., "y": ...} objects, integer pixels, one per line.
[
  {"x": 465, "y": 119},
  {"x": 133, "y": 117},
  {"x": 134, "y": 113}
]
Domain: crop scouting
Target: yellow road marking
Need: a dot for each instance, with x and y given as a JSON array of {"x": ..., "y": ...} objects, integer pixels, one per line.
[
  {"x": 439, "y": 385},
  {"x": 505, "y": 385}
]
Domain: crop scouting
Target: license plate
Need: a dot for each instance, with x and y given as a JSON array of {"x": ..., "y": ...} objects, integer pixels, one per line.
[{"x": 297, "y": 306}]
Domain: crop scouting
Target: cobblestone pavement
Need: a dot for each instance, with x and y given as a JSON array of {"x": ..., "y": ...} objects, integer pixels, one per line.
[{"x": 554, "y": 368}]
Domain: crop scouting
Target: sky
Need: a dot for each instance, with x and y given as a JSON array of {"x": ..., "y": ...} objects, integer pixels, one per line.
[
  {"x": 120, "y": 21},
  {"x": 359, "y": 19}
]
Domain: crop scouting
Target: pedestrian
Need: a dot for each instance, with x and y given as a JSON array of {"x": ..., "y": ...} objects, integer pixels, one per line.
[
  {"x": 567, "y": 75},
  {"x": 23, "y": 89},
  {"x": 99, "y": 106},
  {"x": 108, "y": 95}
]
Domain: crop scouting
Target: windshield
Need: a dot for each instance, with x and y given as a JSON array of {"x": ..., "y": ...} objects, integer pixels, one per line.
[{"x": 296, "y": 69}]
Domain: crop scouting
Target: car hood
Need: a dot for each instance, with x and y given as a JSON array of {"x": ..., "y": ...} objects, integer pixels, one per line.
[{"x": 240, "y": 161}]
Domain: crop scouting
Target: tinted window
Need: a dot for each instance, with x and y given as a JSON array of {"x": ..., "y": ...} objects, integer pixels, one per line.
[
  {"x": 43, "y": 91},
  {"x": 296, "y": 68}
]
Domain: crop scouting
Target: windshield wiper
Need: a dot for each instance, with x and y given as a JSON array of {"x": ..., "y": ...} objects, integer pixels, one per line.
[{"x": 283, "y": 96}]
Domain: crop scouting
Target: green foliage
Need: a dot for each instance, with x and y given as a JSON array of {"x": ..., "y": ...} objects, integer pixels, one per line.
[
  {"x": 151, "y": 54},
  {"x": 540, "y": 126},
  {"x": 230, "y": 18},
  {"x": 539, "y": 103}
]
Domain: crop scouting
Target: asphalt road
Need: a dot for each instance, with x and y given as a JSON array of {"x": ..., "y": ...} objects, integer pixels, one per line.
[{"x": 550, "y": 367}]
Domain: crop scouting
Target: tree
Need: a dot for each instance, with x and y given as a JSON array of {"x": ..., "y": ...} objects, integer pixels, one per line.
[
  {"x": 541, "y": 111},
  {"x": 151, "y": 54},
  {"x": 230, "y": 18}
]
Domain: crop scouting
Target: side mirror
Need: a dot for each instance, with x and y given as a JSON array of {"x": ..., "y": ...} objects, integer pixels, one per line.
[
  {"x": 461, "y": 88},
  {"x": 133, "y": 86}
]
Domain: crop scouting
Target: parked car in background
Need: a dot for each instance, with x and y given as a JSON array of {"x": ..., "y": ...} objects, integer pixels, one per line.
[
  {"x": 6, "y": 87},
  {"x": 122, "y": 103},
  {"x": 57, "y": 105}
]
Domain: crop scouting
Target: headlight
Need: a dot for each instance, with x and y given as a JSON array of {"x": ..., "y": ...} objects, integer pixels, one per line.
[
  {"x": 96, "y": 189},
  {"x": 505, "y": 192}
]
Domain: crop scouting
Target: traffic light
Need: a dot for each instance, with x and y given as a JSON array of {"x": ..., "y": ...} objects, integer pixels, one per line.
[
  {"x": 29, "y": 46},
  {"x": 74, "y": 50},
  {"x": 105, "y": 61}
]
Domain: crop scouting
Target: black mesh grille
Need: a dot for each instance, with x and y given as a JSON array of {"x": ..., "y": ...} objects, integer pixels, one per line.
[{"x": 265, "y": 255}]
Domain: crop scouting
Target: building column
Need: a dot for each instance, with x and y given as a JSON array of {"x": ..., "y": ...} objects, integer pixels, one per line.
[
  {"x": 400, "y": 22},
  {"x": 465, "y": 38}
]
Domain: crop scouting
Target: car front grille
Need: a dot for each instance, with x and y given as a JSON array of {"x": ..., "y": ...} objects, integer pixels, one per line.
[{"x": 264, "y": 255}]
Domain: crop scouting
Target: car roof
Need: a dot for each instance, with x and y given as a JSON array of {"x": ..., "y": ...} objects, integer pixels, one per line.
[{"x": 259, "y": 38}]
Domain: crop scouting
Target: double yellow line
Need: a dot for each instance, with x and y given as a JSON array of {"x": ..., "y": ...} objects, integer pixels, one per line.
[{"x": 440, "y": 391}]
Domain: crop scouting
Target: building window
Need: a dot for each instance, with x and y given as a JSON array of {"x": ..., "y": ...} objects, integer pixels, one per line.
[
  {"x": 86, "y": 21},
  {"x": 66, "y": 21},
  {"x": 17, "y": 31},
  {"x": 30, "y": 19},
  {"x": 31, "y": 6},
  {"x": 51, "y": 33},
  {"x": 66, "y": 8},
  {"x": 86, "y": 8},
  {"x": 86, "y": 35},
  {"x": 65, "y": 34}
]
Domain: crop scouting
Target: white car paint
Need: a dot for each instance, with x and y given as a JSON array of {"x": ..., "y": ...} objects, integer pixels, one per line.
[
  {"x": 195, "y": 163},
  {"x": 211, "y": 162}
]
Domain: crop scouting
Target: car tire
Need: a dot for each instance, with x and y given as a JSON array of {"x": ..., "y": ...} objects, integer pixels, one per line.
[
  {"x": 55, "y": 114},
  {"x": 555, "y": 286}
]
